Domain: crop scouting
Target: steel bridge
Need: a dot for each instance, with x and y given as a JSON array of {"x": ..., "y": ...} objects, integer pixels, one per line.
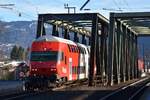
[
  {"x": 113, "y": 43},
  {"x": 123, "y": 50}
]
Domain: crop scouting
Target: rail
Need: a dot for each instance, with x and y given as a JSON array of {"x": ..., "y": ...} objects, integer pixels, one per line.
[{"x": 129, "y": 92}]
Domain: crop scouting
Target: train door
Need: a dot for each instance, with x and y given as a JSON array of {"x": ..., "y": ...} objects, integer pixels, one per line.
[
  {"x": 70, "y": 68},
  {"x": 82, "y": 67}
]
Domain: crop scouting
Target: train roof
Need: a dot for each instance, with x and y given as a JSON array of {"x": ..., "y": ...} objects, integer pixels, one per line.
[{"x": 55, "y": 39}]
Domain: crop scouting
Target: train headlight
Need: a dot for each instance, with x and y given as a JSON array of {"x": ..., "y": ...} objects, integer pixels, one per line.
[
  {"x": 34, "y": 69},
  {"x": 53, "y": 69}
]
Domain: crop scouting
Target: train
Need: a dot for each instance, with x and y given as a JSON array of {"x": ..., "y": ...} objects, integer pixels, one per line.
[{"x": 56, "y": 60}]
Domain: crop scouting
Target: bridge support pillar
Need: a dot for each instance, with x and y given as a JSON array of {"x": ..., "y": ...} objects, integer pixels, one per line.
[
  {"x": 66, "y": 34},
  {"x": 55, "y": 31},
  {"x": 76, "y": 38},
  {"x": 93, "y": 48},
  {"x": 83, "y": 39},
  {"x": 111, "y": 50}
]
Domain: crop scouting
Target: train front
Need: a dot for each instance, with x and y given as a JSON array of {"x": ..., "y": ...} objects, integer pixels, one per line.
[{"x": 43, "y": 62}]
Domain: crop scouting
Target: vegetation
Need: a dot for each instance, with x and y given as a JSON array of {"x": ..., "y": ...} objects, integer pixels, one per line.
[
  {"x": 8, "y": 76},
  {"x": 18, "y": 53}
]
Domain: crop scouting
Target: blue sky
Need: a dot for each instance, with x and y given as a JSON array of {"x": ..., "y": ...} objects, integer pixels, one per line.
[{"x": 30, "y": 8}]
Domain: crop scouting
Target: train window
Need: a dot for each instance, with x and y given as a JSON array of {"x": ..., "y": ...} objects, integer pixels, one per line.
[
  {"x": 75, "y": 49},
  {"x": 82, "y": 69},
  {"x": 69, "y": 48},
  {"x": 84, "y": 50},
  {"x": 80, "y": 50},
  {"x": 65, "y": 60},
  {"x": 44, "y": 56},
  {"x": 88, "y": 50},
  {"x": 72, "y": 48},
  {"x": 74, "y": 70}
]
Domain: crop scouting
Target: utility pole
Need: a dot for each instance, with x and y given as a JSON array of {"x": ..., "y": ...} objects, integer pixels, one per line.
[{"x": 69, "y": 8}]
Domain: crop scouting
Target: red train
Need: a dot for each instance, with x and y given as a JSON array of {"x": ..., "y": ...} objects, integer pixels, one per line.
[{"x": 58, "y": 60}]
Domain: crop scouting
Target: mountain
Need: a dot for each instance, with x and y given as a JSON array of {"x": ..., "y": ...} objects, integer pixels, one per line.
[
  {"x": 16, "y": 33},
  {"x": 19, "y": 32}
]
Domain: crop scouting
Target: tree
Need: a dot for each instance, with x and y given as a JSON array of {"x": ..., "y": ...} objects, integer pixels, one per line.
[
  {"x": 21, "y": 53},
  {"x": 14, "y": 53},
  {"x": 18, "y": 53}
]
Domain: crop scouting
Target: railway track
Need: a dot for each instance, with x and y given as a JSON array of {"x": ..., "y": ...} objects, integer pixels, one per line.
[
  {"x": 11, "y": 96},
  {"x": 14, "y": 96},
  {"x": 130, "y": 92}
]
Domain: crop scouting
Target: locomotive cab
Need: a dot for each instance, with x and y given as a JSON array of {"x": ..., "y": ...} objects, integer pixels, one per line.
[{"x": 44, "y": 63}]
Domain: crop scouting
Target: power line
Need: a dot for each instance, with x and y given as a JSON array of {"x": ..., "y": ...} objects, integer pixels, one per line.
[
  {"x": 84, "y": 4},
  {"x": 127, "y": 4},
  {"x": 7, "y": 5},
  {"x": 35, "y": 6},
  {"x": 24, "y": 14},
  {"x": 6, "y": 8},
  {"x": 114, "y": 1},
  {"x": 20, "y": 13},
  {"x": 111, "y": 9},
  {"x": 122, "y": 9}
]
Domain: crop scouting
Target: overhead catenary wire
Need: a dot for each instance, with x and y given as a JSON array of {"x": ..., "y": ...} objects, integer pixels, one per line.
[
  {"x": 14, "y": 9},
  {"x": 114, "y": 1},
  {"x": 33, "y": 5},
  {"x": 127, "y": 4},
  {"x": 25, "y": 14},
  {"x": 111, "y": 9},
  {"x": 124, "y": 8}
]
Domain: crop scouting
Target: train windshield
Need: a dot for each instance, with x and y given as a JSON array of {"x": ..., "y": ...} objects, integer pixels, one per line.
[{"x": 44, "y": 56}]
